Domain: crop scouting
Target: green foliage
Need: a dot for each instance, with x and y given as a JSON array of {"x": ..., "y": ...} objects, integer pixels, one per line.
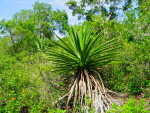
[
  {"x": 81, "y": 51},
  {"x": 105, "y": 8},
  {"x": 49, "y": 20},
  {"x": 43, "y": 44},
  {"x": 25, "y": 82},
  {"x": 56, "y": 111},
  {"x": 28, "y": 25},
  {"x": 25, "y": 78},
  {"x": 132, "y": 72},
  {"x": 81, "y": 109},
  {"x": 129, "y": 107}
]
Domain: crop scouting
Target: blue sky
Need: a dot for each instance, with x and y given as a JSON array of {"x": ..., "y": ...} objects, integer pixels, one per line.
[{"x": 9, "y": 7}]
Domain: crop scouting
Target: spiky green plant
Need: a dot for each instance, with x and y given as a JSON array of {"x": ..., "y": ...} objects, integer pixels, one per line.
[
  {"x": 42, "y": 44},
  {"x": 82, "y": 53}
]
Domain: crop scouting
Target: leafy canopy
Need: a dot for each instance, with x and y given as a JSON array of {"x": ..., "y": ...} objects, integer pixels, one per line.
[
  {"x": 87, "y": 8},
  {"x": 27, "y": 25}
]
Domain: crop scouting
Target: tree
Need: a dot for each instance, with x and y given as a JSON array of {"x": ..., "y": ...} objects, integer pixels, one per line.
[
  {"x": 9, "y": 27},
  {"x": 27, "y": 25},
  {"x": 144, "y": 6},
  {"x": 97, "y": 7},
  {"x": 48, "y": 20},
  {"x": 81, "y": 53}
]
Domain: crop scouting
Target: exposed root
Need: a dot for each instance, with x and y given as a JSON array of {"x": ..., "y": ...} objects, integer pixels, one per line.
[{"x": 86, "y": 84}]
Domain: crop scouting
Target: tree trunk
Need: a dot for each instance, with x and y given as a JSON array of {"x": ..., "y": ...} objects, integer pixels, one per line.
[{"x": 12, "y": 40}]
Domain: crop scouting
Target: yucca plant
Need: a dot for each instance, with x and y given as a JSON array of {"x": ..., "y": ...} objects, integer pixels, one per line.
[
  {"x": 82, "y": 53},
  {"x": 42, "y": 44}
]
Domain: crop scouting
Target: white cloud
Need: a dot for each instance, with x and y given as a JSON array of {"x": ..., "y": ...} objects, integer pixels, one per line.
[
  {"x": 56, "y": 4},
  {"x": 58, "y": 34},
  {"x": 60, "y": 4},
  {"x": 70, "y": 14},
  {"x": 20, "y": 1},
  {"x": 1, "y": 18}
]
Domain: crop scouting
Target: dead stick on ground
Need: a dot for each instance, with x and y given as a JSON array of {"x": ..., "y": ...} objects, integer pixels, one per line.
[{"x": 61, "y": 98}]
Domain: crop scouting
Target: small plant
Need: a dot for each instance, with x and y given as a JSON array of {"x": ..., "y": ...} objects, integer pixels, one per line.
[
  {"x": 129, "y": 107},
  {"x": 56, "y": 111},
  {"x": 84, "y": 109}
]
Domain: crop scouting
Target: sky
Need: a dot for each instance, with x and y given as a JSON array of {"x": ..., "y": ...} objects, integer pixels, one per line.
[{"x": 9, "y": 7}]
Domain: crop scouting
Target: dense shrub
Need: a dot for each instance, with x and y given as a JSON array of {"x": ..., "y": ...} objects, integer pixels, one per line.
[{"x": 130, "y": 107}]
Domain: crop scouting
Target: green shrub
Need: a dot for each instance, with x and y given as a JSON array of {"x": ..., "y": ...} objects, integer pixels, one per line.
[
  {"x": 129, "y": 107},
  {"x": 25, "y": 81}
]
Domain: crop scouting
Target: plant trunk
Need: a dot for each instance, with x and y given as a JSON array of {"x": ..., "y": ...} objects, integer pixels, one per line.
[
  {"x": 15, "y": 49},
  {"x": 90, "y": 92}
]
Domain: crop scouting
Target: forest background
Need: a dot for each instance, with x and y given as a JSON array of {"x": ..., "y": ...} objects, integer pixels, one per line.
[{"x": 26, "y": 80}]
